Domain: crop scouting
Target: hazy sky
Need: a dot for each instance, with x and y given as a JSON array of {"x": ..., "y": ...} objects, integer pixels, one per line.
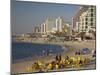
[{"x": 25, "y": 15}]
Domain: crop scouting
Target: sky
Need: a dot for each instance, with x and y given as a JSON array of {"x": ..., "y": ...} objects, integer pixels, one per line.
[{"x": 26, "y": 15}]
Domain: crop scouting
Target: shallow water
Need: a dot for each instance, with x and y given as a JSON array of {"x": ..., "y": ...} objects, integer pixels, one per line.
[{"x": 27, "y": 50}]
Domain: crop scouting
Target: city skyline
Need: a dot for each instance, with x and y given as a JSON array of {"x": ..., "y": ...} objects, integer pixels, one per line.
[
  {"x": 24, "y": 18},
  {"x": 49, "y": 37}
]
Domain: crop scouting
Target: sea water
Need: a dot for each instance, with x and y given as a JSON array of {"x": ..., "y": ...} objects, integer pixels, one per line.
[{"x": 26, "y": 50}]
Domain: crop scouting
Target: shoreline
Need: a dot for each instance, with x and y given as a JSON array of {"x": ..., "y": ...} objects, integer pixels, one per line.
[
  {"x": 67, "y": 43},
  {"x": 74, "y": 46}
]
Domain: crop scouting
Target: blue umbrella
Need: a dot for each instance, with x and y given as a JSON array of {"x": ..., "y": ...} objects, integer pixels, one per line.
[{"x": 85, "y": 50}]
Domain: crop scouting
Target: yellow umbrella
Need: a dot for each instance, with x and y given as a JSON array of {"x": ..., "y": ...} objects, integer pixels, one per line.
[{"x": 57, "y": 66}]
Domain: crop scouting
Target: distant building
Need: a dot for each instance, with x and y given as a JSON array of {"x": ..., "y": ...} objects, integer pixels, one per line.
[
  {"x": 43, "y": 28},
  {"x": 66, "y": 28},
  {"x": 53, "y": 30},
  {"x": 46, "y": 22},
  {"x": 37, "y": 29},
  {"x": 59, "y": 24},
  {"x": 49, "y": 24}
]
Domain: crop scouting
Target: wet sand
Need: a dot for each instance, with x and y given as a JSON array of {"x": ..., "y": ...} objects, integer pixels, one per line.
[{"x": 21, "y": 66}]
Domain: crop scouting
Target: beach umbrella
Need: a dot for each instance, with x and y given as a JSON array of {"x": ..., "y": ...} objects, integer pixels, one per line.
[
  {"x": 73, "y": 59},
  {"x": 49, "y": 66},
  {"x": 85, "y": 50},
  {"x": 57, "y": 66},
  {"x": 79, "y": 58}
]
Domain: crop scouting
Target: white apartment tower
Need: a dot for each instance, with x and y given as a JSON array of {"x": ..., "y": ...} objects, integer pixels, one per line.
[
  {"x": 88, "y": 20},
  {"x": 43, "y": 28},
  {"x": 59, "y": 24}
]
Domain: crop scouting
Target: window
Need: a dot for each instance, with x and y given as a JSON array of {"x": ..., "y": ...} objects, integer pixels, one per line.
[
  {"x": 86, "y": 27},
  {"x": 91, "y": 9},
  {"x": 86, "y": 18},
  {"x": 91, "y": 19},
  {"x": 92, "y": 24},
  {"x": 86, "y": 23},
  {"x": 91, "y": 14}
]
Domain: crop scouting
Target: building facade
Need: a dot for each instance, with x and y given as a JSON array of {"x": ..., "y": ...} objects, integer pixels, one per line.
[
  {"x": 85, "y": 20},
  {"x": 49, "y": 24},
  {"x": 37, "y": 29},
  {"x": 59, "y": 24},
  {"x": 88, "y": 20},
  {"x": 76, "y": 17},
  {"x": 43, "y": 28}
]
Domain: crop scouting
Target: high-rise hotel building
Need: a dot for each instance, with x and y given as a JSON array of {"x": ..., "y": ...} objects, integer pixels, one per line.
[
  {"x": 49, "y": 24},
  {"x": 43, "y": 28},
  {"x": 37, "y": 29},
  {"x": 59, "y": 24},
  {"x": 86, "y": 20},
  {"x": 76, "y": 17},
  {"x": 52, "y": 26}
]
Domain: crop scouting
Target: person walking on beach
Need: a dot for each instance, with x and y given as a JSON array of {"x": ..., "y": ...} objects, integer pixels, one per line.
[{"x": 58, "y": 57}]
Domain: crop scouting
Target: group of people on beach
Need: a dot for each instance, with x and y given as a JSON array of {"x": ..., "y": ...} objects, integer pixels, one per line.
[{"x": 59, "y": 63}]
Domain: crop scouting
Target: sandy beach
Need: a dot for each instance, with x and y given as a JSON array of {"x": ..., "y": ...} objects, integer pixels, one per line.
[{"x": 21, "y": 66}]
